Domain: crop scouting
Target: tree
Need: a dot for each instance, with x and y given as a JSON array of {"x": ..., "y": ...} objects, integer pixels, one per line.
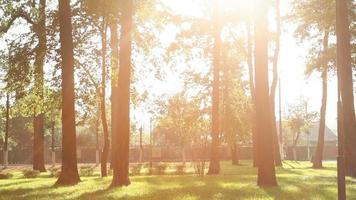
[
  {"x": 299, "y": 121},
  {"x": 69, "y": 172},
  {"x": 121, "y": 138},
  {"x": 38, "y": 123},
  {"x": 214, "y": 166},
  {"x": 310, "y": 16},
  {"x": 182, "y": 120},
  {"x": 277, "y": 153},
  {"x": 344, "y": 67},
  {"x": 318, "y": 156},
  {"x": 266, "y": 168},
  {"x": 37, "y": 20}
]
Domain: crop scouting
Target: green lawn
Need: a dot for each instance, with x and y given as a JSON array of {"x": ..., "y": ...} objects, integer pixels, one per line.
[{"x": 296, "y": 181}]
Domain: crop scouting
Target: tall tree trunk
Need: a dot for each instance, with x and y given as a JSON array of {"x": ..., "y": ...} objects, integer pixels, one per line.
[
  {"x": 97, "y": 145},
  {"x": 52, "y": 143},
  {"x": 346, "y": 86},
  {"x": 38, "y": 122},
  {"x": 252, "y": 90},
  {"x": 121, "y": 142},
  {"x": 276, "y": 151},
  {"x": 114, "y": 82},
  {"x": 69, "y": 172},
  {"x": 266, "y": 167},
  {"x": 105, "y": 152},
  {"x": 7, "y": 127},
  {"x": 318, "y": 155},
  {"x": 214, "y": 166}
]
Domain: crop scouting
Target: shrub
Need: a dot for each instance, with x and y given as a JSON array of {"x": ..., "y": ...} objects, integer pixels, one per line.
[
  {"x": 86, "y": 171},
  {"x": 200, "y": 168},
  {"x": 180, "y": 169},
  {"x": 54, "y": 171},
  {"x": 136, "y": 169},
  {"x": 4, "y": 175},
  {"x": 28, "y": 173},
  {"x": 161, "y": 168}
]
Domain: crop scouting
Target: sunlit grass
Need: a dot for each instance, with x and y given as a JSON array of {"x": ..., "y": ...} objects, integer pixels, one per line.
[{"x": 296, "y": 181}]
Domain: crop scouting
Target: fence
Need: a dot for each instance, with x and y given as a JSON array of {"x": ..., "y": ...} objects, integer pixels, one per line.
[{"x": 165, "y": 154}]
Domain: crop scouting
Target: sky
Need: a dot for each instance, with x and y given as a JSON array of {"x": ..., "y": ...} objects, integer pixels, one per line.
[
  {"x": 295, "y": 85},
  {"x": 292, "y": 65}
]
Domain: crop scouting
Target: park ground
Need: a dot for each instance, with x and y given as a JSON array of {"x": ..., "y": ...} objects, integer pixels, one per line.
[{"x": 296, "y": 181}]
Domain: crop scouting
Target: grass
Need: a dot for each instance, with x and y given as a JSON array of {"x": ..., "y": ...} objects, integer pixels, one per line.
[{"x": 296, "y": 181}]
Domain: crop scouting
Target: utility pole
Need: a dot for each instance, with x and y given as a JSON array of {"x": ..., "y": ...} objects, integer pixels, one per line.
[
  {"x": 280, "y": 117},
  {"x": 341, "y": 183}
]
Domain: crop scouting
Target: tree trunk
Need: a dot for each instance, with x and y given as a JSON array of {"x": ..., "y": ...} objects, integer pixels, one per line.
[
  {"x": 276, "y": 149},
  {"x": 318, "y": 156},
  {"x": 346, "y": 86},
  {"x": 214, "y": 166},
  {"x": 97, "y": 145},
  {"x": 184, "y": 157},
  {"x": 266, "y": 167},
  {"x": 252, "y": 90},
  {"x": 114, "y": 82},
  {"x": 52, "y": 144},
  {"x": 141, "y": 147},
  {"x": 294, "y": 145},
  {"x": 234, "y": 155},
  {"x": 105, "y": 152},
  {"x": 7, "y": 127},
  {"x": 121, "y": 142},
  {"x": 69, "y": 172},
  {"x": 38, "y": 122}
]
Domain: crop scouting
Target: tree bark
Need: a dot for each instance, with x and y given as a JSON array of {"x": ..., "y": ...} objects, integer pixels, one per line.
[
  {"x": 266, "y": 167},
  {"x": 121, "y": 142},
  {"x": 105, "y": 152},
  {"x": 214, "y": 166},
  {"x": 276, "y": 149},
  {"x": 69, "y": 172},
  {"x": 38, "y": 122},
  {"x": 346, "y": 86},
  {"x": 252, "y": 90},
  {"x": 7, "y": 127},
  {"x": 318, "y": 156},
  {"x": 53, "y": 143},
  {"x": 114, "y": 82}
]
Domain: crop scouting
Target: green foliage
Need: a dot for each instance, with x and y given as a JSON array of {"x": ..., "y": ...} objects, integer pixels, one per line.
[
  {"x": 54, "y": 171},
  {"x": 299, "y": 120},
  {"x": 86, "y": 170},
  {"x": 136, "y": 169},
  {"x": 184, "y": 120},
  {"x": 180, "y": 169},
  {"x": 5, "y": 175},
  {"x": 160, "y": 168},
  {"x": 28, "y": 173}
]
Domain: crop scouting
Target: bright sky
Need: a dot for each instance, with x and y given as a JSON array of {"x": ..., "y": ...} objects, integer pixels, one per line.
[
  {"x": 292, "y": 65},
  {"x": 294, "y": 83}
]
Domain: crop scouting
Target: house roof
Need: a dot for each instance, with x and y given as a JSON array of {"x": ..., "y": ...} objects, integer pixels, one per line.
[{"x": 314, "y": 133}]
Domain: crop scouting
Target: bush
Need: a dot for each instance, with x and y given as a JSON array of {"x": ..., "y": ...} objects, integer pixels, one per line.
[
  {"x": 28, "y": 173},
  {"x": 54, "y": 171},
  {"x": 161, "y": 168},
  {"x": 86, "y": 171},
  {"x": 136, "y": 169},
  {"x": 4, "y": 175},
  {"x": 180, "y": 169}
]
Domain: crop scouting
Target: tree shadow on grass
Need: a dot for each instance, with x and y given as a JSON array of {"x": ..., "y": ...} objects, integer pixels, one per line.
[{"x": 26, "y": 193}]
